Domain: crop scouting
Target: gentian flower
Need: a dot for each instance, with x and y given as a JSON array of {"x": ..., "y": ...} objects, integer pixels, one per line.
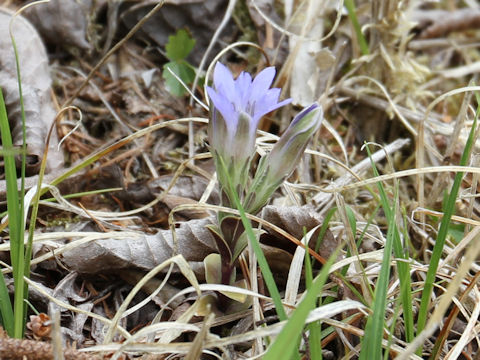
[
  {"x": 279, "y": 164},
  {"x": 237, "y": 105},
  {"x": 236, "y": 109}
]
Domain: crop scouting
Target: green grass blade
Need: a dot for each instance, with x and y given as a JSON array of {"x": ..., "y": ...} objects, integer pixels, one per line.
[
  {"x": 315, "y": 330},
  {"x": 6, "y": 307},
  {"x": 21, "y": 288},
  {"x": 373, "y": 340},
  {"x": 14, "y": 219},
  {"x": 352, "y": 14},
  {"x": 33, "y": 217},
  {"x": 402, "y": 266},
  {"x": 285, "y": 344},
  {"x": 12, "y": 201},
  {"x": 449, "y": 208}
]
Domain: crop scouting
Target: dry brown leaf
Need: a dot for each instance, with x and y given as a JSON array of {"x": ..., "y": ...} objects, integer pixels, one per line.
[
  {"x": 62, "y": 22},
  {"x": 297, "y": 221},
  {"x": 191, "y": 187},
  {"x": 194, "y": 242},
  {"x": 145, "y": 251},
  {"x": 39, "y": 110}
]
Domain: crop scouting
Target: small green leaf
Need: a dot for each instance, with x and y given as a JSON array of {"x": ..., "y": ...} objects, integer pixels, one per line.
[
  {"x": 183, "y": 71},
  {"x": 456, "y": 231},
  {"x": 179, "y": 45}
]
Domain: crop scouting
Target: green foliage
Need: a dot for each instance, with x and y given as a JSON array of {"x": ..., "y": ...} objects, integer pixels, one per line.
[
  {"x": 285, "y": 345},
  {"x": 12, "y": 203},
  {"x": 179, "y": 45},
  {"x": 177, "y": 49},
  {"x": 315, "y": 328},
  {"x": 262, "y": 261},
  {"x": 448, "y": 210},
  {"x": 456, "y": 231},
  {"x": 352, "y": 14},
  {"x": 372, "y": 341}
]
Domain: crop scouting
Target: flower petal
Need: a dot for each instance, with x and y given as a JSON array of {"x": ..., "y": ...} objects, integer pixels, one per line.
[
  {"x": 225, "y": 107},
  {"x": 268, "y": 102},
  {"x": 243, "y": 87},
  {"x": 262, "y": 83},
  {"x": 224, "y": 83}
]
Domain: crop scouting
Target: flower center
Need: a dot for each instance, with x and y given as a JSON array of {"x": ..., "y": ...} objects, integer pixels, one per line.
[{"x": 250, "y": 108}]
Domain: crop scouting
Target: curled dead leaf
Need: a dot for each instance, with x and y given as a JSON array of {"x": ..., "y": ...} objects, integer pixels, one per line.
[
  {"x": 40, "y": 326},
  {"x": 193, "y": 241}
]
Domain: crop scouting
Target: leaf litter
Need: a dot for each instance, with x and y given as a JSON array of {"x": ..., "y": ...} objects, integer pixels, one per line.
[{"x": 92, "y": 249}]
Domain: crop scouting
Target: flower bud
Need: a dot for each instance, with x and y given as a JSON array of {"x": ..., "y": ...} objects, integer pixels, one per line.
[{"x": 274, "y": 168}]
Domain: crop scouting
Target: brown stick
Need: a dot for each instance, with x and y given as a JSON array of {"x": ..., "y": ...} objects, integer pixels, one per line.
[{"x": 18, "y": 349}]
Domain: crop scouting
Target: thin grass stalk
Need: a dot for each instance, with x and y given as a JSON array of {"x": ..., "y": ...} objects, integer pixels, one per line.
[
  {"x": 284, "y": 345},
  {"x": 400, "y": 252},
  {"x": 12, "y": 200},
  {"x": 449, "y": 321},
  {"x": 393, "y": 235},
  {"x": 35, "y": 204},
  {"x": 372, "y": 341},
  {"x": 15, "y": 225},
  {"x": 402, "y": 266},
  {"x": 396, "y": 314},
  {"x": 352, "y": 15},
  {"x": 443, "y": 231},
  {"x": 20, "y": 296},
  {"x": 323, "y": 230},
  {"x": 315, "y": 330}
]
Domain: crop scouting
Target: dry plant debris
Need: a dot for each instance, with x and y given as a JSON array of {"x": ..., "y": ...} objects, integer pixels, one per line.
[{"x": 121, "y": 238}]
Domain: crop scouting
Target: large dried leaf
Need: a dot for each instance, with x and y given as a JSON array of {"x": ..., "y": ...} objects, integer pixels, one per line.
[
  {"x": 62, "y": 22},
  {"x": 194, "y": 242},
  {"x": 39, "y": 109},
  {"x": 144, "y": 251}
]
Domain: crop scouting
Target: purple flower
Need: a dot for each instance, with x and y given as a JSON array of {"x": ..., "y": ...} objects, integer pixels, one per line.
[{"x": 237, "y": 107}]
